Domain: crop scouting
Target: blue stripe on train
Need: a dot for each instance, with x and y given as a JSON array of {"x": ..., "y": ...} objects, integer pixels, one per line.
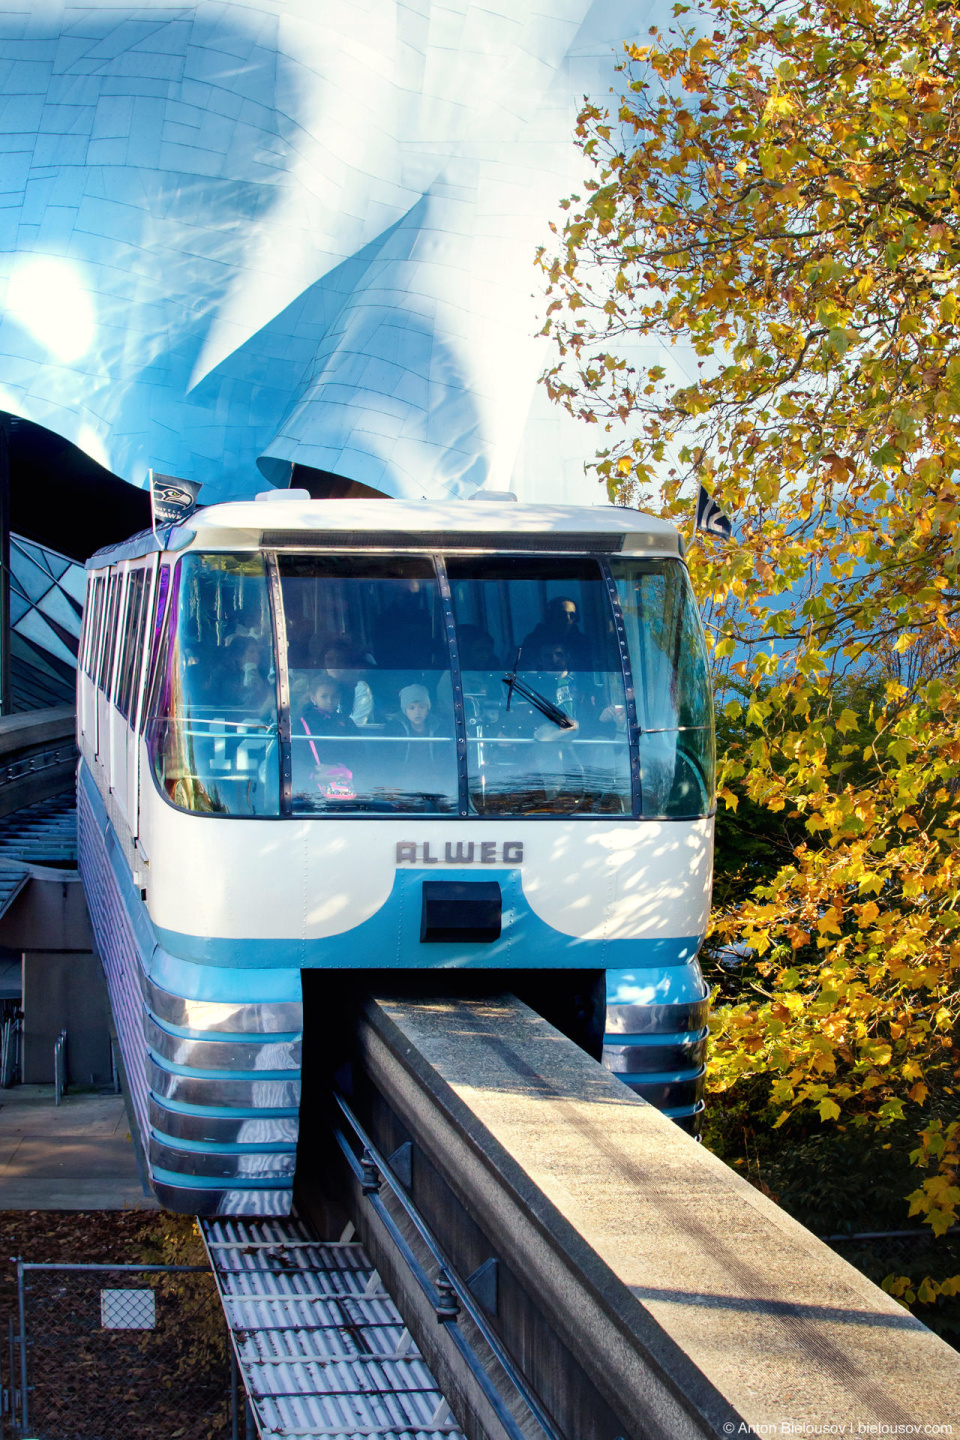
[
  {"x": 391, "y": 939},
  {"x": 182, "y": 963}
]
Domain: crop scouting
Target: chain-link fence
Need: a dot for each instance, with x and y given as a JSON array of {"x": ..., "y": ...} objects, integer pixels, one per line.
[
  {"x": 911, "y": 1254},
  {"x": 118, "y": 1352}
]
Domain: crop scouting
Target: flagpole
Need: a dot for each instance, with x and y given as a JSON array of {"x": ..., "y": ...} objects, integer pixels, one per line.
[{"x": 153, "y": 508}]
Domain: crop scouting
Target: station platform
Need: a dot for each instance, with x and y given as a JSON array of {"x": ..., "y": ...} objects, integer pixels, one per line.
[{"x": 74, "y": 1156}]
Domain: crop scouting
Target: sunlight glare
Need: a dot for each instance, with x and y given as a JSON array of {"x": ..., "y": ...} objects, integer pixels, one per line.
[{"x": 48, "y": 298}]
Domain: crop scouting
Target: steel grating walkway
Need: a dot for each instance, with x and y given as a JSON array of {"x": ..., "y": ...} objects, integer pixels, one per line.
[{"x": 321, "y": 1346}]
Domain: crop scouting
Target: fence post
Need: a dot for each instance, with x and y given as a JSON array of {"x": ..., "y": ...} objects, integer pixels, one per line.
[
  {"x": 12, "y": 1338},
  {"x": 234, "y": 1415},
  {"x": 22, "y": 1310}
]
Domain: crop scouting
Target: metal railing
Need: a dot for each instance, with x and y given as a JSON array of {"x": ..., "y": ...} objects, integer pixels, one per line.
[
  {"x": 38, "y": 755},
  {"x": 449, "y": 1293},
  {"x": 60, "y": 1068},
  {"x": 11, "y": 1032}
]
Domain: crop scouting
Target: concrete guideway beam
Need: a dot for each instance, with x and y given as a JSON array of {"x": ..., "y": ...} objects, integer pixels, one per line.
[{"x": 645, "y": 1290}]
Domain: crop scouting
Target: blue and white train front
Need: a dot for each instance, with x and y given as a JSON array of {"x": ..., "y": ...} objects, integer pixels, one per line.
[{"x": 349, "y": 750}]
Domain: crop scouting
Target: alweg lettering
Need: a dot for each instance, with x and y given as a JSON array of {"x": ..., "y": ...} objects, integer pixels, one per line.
[{"x": 463, "y": 852}]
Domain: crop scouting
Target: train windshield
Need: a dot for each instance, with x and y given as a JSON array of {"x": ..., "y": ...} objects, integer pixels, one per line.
[
  {"x": 575, "y": 687},
  {"x": 543, "y": 688},
  {"x": 371, "y": 700},
  {"x": 672, "y": 686},
  {"x": 212, "y": 730}
]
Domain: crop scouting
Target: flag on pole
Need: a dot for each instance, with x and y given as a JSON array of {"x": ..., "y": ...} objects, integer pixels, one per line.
[
  {"x": 171, "y": 500},
  {"x": 710, "y": 517}
]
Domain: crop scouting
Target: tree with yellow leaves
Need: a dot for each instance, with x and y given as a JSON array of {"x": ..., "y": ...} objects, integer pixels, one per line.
[{"x": 778, "y": 189}]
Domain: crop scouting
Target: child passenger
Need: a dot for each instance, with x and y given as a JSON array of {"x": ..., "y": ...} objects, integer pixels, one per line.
[
  {"x": 321, "y": 721},
  {"x": 415, "y": 716},
  {"x": 343, "y": 661},
  {"x": 322, "y": 716},
  {"x": 418, "y": 760}
]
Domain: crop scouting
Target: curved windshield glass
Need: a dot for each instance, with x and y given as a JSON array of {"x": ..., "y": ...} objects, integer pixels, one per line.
[
  {"x": 371, "y": 704},
  {"x": 543, "y": 688},
  {"x": 213, "y": 738},
  {"x": 672, "y": 686},
  {"x": 373, "y": 701}
]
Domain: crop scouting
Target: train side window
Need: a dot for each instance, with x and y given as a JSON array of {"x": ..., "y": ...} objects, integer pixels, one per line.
[
  {"x": 129, "y": 657},
  {"x": 100, "y": 636},
  {"x": 96, "y": 621},
  {"x": 89, "y": 614},
  {"x": 212, "y": 729},
  {"x": 672, "y": 684},
  {"x": 99, "y": 623},
  {"x": 160, "y": 648},
  {"x": 543, "y": 690},
  {"x": 85, "y": 627},
  {"x": 140, "y": 644},
  {"x": 117, "y": 636},
  {"x": 108, "y": 646},
  {"x": 371, "y": 703},
  {"x": 139, "y": 639},
  {"x": 124, "y": 610},
  {"x": 154, "y": 659}
]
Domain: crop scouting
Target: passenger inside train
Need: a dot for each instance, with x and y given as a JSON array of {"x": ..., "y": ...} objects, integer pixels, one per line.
[{"x": 356, "y": 652}]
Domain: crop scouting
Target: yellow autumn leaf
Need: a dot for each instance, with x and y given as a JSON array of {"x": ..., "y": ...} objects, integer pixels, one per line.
[{"x": 842, "y": 188}]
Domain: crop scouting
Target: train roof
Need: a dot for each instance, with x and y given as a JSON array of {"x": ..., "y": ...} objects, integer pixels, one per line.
[{"x": 283, "y": 520}]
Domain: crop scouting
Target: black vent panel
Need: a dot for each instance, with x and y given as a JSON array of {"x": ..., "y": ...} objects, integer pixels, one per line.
[
  {"x": 465, "y": 910},
  {"x": 555, "y": 542}
]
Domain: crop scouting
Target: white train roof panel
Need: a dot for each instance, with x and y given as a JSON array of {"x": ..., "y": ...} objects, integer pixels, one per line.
[
  {"x": 284, "y": 520},
  {"x": 281, "y": 510}
]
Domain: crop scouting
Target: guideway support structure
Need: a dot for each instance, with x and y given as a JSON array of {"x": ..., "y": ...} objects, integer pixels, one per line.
[{"x": 640, "y": 1287}]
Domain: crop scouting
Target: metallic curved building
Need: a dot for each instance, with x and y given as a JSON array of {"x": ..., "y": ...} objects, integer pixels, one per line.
[{"x": 276, "y": 234}]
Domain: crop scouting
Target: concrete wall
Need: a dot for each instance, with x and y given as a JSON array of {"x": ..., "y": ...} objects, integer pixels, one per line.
[
  {"x": 48, "y": 915},
  {"x": 63, "y": 984},
  {"x": 645, "y": 1290},
  {"x": 65, "y": 990}
]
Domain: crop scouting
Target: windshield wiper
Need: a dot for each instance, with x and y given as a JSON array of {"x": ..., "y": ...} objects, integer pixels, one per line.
[{"x": 540, "y": 702}]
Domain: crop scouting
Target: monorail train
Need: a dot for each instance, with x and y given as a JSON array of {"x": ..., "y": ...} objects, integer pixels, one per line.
[{"x": 335, "y": 735}]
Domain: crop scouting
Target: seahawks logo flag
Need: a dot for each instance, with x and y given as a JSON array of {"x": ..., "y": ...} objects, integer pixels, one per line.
[
  {"x": 171, "y": 500},
  {"x": 710, "y": 517}
]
